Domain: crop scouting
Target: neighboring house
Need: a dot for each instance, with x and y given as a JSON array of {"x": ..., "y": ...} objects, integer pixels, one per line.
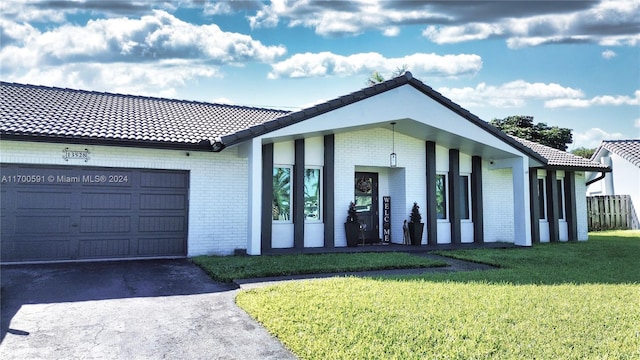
[
  {"x": 89, "y": 175},
  {"x": 623, "y": 157}
]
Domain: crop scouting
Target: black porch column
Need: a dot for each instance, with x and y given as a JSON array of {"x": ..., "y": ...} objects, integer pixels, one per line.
[
  {"x": 298, "y": 195},
  {"x": 454, "y": 195},
  {"x": 476, "y": 200},
  {"x": 552, "y": 206},
  {"x": 267, "y": 197},
  {"x": 432, "y": 212},
  {"x": 329, "y": 187},
  {"x": 570, "y": 204},
  {"x": 534, "y": 205}
]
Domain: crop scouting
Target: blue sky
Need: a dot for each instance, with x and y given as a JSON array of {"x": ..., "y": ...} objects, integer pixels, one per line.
[{"x": 573, "y": 64}]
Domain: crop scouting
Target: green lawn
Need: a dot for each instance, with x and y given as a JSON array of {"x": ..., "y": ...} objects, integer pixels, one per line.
[
  {"x": 552, "y": 301},
  {"x": 228, "y": 268}
]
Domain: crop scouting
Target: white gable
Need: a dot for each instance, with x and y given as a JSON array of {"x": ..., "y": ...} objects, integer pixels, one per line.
[{"x": 415, "y": 114}]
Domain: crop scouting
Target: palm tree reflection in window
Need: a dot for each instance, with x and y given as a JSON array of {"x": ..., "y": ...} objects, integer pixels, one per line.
[
  {"x": 312, "y": 194},
  {"x": 281, "y": 193}
]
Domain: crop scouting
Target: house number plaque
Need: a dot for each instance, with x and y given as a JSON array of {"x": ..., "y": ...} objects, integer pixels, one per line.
[{"x": 75, "y": 154}]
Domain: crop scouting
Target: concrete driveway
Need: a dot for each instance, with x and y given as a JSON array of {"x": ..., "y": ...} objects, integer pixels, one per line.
[{"x": 148, "y": 309}]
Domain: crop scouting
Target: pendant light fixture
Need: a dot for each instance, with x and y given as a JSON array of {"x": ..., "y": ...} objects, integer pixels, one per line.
[{"x": 393, "y": 159}]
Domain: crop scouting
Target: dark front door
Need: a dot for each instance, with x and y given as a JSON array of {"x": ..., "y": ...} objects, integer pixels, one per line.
[{"x": 366, "y": 195}]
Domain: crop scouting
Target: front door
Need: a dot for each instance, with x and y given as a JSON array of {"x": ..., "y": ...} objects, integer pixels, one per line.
[{"x": 366, "y": 196}]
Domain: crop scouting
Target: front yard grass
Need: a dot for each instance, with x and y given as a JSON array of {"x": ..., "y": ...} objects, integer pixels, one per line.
[
  {"x": 551, "y": 301},
  {"x": 228, "y": 268}
]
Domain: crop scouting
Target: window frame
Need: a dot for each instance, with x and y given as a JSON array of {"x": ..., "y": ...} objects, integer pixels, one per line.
[
  {"x": 320, "y": 195},
  {"x": 445, "y": 183},
  {"x": 542, "y": 198},
  {"x": 562, "y": 207},
  {"x": 289, "y": 219},
  {"x": 466, "y": 191}
]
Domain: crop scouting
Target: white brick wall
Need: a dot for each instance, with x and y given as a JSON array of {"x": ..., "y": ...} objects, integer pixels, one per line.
[
  {"x": 497, "y": 196},
  {"x": 218, "y": 202}
]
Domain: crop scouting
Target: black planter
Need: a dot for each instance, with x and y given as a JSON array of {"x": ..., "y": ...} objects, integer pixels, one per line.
[
  {"x": 415, "y": 233},
  {"x": 352, "y": 229}
]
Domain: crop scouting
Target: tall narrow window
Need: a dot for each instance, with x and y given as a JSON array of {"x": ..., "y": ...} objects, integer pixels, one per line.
[
  {"x": 312, "y": 197},
  {"x": 281, "y": 193},
  {"x": 560, "y": 185},
  {"x": 542, "y": 199},
  {"x": 441, "y": 196},
  {"x": 465, "y": 205}
]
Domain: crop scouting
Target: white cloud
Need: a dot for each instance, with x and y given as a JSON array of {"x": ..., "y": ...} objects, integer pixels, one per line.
[
  {"x": 603, "y": 100},
  {"x": 149, "y": 55},
  {"x": 158, "y": 79},
  {"x": 608, "y": 54},
  {"x": 456, "y": 34},
  {"x": 607, "y": 22},
  {"x": 593, "y": 137},
  {"x": 327, "y": 64},
  {"x": 391, "y": 31},
  {"x": 508, "y": 95},
  {"x": 152, "y": 37}
]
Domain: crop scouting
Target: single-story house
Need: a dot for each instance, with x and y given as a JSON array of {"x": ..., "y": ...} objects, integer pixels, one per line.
[
  {"x": 623, "y": 157},
  {"x": 89, "y": 175}
]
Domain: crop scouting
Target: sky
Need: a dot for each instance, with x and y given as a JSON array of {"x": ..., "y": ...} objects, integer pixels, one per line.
[{"x": 573, "y": 64}]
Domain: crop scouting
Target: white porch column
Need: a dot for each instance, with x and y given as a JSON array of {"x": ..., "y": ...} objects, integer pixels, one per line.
[
  {"x": 521, "y": 199},
  {"x": 255, "y": 197}
]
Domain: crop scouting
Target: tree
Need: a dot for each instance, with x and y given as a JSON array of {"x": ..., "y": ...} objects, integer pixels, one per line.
[
  {"x": 584, "y": 152},
  {"x": 376, "y": 77},
  {"x": 523, "y": 127}
]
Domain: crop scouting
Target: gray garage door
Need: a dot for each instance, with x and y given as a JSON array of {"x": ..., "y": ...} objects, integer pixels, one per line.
[{"x": 78, "y": 213}]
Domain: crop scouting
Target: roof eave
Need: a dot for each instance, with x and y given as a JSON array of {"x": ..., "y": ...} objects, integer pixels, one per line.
[{"x": 202, "y": 145}]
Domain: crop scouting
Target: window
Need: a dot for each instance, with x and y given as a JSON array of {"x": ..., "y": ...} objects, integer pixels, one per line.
[
  {"x": 281, "y": 193},
  {"x": 312, "y": 200},
  {"x": 465, "y": 213},
  {"x": 542, "y": 199},
  {"x": 560, "y": 184},
  {"x": 441, "y": 196}
]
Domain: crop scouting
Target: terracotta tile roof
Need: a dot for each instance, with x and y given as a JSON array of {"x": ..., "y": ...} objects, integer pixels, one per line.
[
  {"x": 560, "y": 159},
  {"x": 626, "y": 149},
  {"x": 39, "y": 113}
]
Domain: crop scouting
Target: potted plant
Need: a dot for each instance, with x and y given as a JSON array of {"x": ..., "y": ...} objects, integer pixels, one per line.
[
  {"x": 352, "y": 226},
  {"x": 416, "y": 227}
]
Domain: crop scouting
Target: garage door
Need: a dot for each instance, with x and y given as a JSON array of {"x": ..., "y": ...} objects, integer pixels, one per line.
[{"x": 79, "y": 213}]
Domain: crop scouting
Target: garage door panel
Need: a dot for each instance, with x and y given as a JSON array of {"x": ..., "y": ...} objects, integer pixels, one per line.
[
  {"x": 153, "y": 201},
  {"x": 46, "y": 249},
  {"x": 155, "y": 245},
  {"x": 163, "y": 180},
  {"x": 106, "y": 201},
  {"x": 105, "y": 224},
  {"x": 104, "y": 248},
  {"x": 43, "y": 200},
  {"x": 42, "y": 224},
  {"x": 162, "y": 224},
  {"x": 77, "y": 212}
]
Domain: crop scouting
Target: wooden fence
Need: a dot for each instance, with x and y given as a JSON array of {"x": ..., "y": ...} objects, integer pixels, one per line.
[{"x": 610, "y": 212}]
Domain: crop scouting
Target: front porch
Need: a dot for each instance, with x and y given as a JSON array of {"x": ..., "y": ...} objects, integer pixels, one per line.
[{"x": 382, "y": 247}]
